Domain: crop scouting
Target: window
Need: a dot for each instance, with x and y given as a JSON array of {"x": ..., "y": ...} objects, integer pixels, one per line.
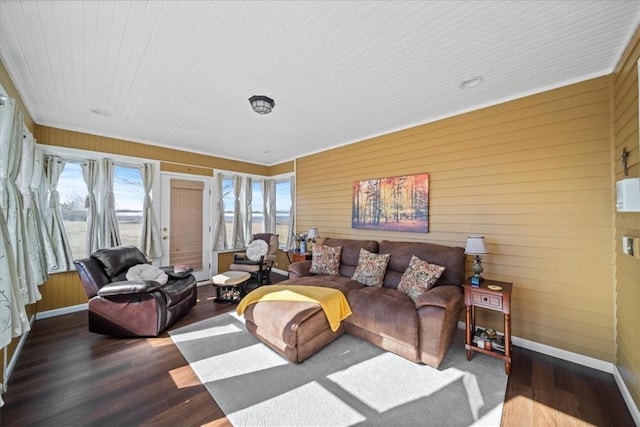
[
  {"x": 283, "y": 210},
  {"x": 129, "y": 197},
  {"x": 72, "y": 192}
]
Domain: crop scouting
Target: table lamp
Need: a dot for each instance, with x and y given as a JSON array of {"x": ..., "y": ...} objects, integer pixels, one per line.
[{"x": 476, "y": 247}]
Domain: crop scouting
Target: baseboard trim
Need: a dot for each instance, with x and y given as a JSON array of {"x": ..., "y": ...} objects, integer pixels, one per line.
[
  {"x": 582, "y": 360},
  {"x": 558, "y": 353},
  {"x": 277, "y": 270},
  {"x": 61, "y": 311},
  {"x": 16, "y": 353},
  {"x": 626, "y": 395}
]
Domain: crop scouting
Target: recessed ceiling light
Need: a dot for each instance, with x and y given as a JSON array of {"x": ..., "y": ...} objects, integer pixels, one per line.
[
  {"x": 100, "y": 112},
  {"x": 472, "y": 82}
]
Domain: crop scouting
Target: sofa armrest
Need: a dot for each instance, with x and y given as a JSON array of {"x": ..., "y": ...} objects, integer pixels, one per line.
[
  {"x": 183, "y": 271},
  {"x": 441, "y": 296},
  {"x": 126, "y": 287},
  {"x": 300, "y": 269}
]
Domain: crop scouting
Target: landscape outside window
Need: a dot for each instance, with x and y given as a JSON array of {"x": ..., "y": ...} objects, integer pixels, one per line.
[
  {"x": 129, "y": 196},
  {"x": 283, "y": 206},
  {"x": 73, "y": 194}
]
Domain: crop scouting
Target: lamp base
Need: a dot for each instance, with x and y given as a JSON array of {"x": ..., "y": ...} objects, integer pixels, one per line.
[{"x": 476, "y": 280}]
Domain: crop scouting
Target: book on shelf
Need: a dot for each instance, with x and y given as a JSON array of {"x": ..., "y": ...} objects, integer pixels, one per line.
[{"x": 492, "y": 342}]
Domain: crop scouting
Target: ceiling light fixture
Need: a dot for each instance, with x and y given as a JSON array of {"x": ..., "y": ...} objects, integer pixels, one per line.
[
  {"x": 472, "y": 82},
  {"x": 100, "y": 112},
  {"x": 261, "y": 104}
]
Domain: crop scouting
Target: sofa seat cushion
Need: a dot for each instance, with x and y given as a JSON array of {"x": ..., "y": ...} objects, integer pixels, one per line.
[
  {"x": 343, "y": 284},
  {"x": 181, "y": 289},
  {"x": 385, "y": 312}
]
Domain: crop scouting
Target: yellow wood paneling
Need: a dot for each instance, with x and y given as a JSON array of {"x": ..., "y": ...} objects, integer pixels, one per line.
[
  {"x": 281, "y": 168},
  {"x": 7, "y": 84},
  {"x": 627, "y": 292},
  {"x": 66, "y": 138},
  {"x": 187, "y": 169},
  {"x": 532, "y": 175}
]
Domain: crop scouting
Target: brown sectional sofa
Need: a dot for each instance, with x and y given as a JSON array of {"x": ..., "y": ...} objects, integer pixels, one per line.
[{"x": 420, "y": 331}]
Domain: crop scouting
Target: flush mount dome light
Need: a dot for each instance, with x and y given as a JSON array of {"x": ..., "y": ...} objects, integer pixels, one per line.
[
  {"x": 100, "y": 112},
  {"x": 261, "y": 104},
  {"x": 472, "y": 82}
]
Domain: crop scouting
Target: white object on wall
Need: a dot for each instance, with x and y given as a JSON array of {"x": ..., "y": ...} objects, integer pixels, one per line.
[{"x": 628, "y": 195}]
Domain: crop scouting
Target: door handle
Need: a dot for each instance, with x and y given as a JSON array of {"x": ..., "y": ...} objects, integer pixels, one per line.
[{"x": 164, "y": 237}]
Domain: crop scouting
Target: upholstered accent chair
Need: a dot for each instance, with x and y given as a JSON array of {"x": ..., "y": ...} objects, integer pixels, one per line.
[
  {"x": 259, "y": 257},
  {"x": 137, "y": 307}
]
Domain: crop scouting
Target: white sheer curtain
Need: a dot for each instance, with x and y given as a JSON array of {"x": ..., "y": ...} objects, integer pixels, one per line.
[
  {"x": 269, "y": 208},
  {"x": 53, "y": 218},
  {"x": 150, "y": 241},
  {"x": 36, "y": 258},
  {"x": 110, "y": 228},
  {"x": 238, "y": 223},
  {"x": 219, "y": 226},
  {"x": 292, "y": 212},
  {"x": 91, "y": 174},
  {"x": 247, "y": 211},
  {"x": 13, "y": 206},
  {"x": 13, "y": 317}
]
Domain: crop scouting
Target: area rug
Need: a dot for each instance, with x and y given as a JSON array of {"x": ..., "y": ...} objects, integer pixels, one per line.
[{"x": 349, "y": 382}]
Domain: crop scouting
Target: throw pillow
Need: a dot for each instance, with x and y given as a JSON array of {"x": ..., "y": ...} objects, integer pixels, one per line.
[
  {"x": 256, "y": 249},
  {"x": 147, "y": 272},
  {"x": 326, "y": 260},
  {"x": 371, "y": 268},
  {"x": 419, "y": 277}
]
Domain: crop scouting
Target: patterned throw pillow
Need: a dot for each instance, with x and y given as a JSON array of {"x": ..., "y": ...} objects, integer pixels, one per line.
[
  {"x": 326, "y": 260},
  {"x": 371, "y": 268},
  {"x": 419, "y": 277}
]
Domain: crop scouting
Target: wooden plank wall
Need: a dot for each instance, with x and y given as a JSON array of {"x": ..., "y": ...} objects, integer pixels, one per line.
[
  {"x": 532, "y": 175},
  {"x": 626, "y": 135}
]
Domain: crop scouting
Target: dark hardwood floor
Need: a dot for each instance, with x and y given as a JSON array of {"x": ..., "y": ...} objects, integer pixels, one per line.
[{"x": 69, "y": 377}]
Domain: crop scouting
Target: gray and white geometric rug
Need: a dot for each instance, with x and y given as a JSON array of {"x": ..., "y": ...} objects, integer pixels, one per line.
[{"x": 349, "y": 382}]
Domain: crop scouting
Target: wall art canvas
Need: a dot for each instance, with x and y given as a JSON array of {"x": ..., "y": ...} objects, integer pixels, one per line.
[{"x": 399, "y": 203}]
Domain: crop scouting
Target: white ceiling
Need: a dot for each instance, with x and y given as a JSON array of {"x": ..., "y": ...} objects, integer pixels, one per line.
[{"x": 179, "y": 73}]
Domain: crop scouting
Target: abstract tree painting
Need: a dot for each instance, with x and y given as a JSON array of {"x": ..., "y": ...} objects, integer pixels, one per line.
[{"x": 400, "y": 203}]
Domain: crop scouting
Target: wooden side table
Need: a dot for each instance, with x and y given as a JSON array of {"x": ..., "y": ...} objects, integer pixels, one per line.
[
  {"x": 490, "y": 299},
  {"x": 294, "y": 256}
]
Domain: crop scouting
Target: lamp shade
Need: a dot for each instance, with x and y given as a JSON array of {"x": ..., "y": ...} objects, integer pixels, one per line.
[
  {"x": 475, "y": 246},
  {"x": 261, "y": 104},
  {"x": 313, "y": 233}
]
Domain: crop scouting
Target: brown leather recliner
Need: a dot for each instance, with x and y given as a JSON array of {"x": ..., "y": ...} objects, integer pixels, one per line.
[{"x": 119, "y": 307}]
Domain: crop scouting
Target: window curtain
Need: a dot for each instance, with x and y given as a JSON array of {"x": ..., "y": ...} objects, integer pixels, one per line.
[
  {"x": 238, "y": 223},
  {"x": 150, "y": 240},
  {"x": 269, "y": 208},
  {"x": 62, "y": 259},
  {"x": 91, "y": 174},
  {"x": 219, "y": 227},
  {"x": 110, "y": 228},
  {"x": 30, "y": 173},
  {"x": 292, "y": 211},
  {"x": 13, "y": 317},
  {"x": 247, "y": 211}
]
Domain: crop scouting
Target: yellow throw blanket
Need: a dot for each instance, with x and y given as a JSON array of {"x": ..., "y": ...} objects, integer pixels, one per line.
[{"x": 332, "y": 301}]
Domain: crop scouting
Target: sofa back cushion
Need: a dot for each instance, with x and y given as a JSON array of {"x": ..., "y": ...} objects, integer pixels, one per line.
[
  {"x": 351, "y": 252},
  {"x": 116, "y": 261},
  {"x": 452, "y": 258}
]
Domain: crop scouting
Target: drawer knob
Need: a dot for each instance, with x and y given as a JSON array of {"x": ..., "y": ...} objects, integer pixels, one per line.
[{"x": 485, "y": 299}]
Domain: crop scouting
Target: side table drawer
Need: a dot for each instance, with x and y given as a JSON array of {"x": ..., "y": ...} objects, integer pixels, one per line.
[{"x": 486, "y": 300}]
